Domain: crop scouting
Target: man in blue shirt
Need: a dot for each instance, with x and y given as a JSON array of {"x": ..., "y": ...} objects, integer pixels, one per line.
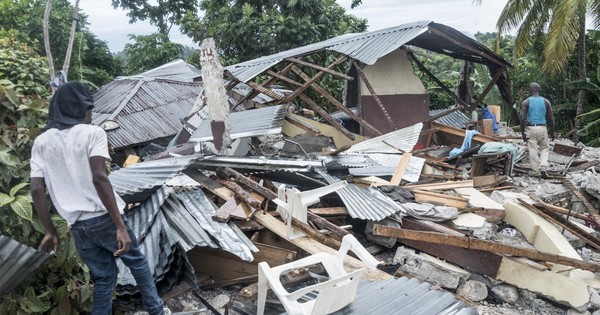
[{"x": 536, "y": 113}]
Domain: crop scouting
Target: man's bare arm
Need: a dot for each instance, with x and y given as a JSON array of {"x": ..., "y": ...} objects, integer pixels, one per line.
[
  {"x": 38, "y": 194},
  {"x": 524, "y": 109},
  {"x": 550, "y": 116},
  {"x": 106, "y": 194}
]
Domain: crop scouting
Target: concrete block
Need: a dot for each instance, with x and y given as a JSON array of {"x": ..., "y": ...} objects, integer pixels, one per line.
[
  {"x": 469, "y": 221},
  {"x": 430, "y": 269},
  {"x": 552, "y": 285},
  {"x": 538, "y": 231}
]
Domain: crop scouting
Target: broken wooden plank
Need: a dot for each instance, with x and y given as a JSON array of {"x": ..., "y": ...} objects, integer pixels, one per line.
[
  {"x": 312, "y": 247},
  {"x": 439, "y": 198},
  {"x": 223, "y": 214},
  {"x": 561, "y": 210},
  {"x": 226, "y": 283},
  {"x": 330, "y": 211},
  {"x": 566, "y": 149},
  {"x": 300, "y": 124},
  {"x": 441, "y": 186},
  {"x": 471, "y": 243},
  {"x": 240, "y": 193},
  {"x": 399, "y": 172},
  {"x": 584, "y": 166},
  {"x": 326, "y": 116},
  {"x": 523, "y": 274},
  {"x": 208, "y": 183},
  {"x": 226, "y": 266},
  {"x": 327, "y": 70},
  {"x": 229, "y": 173},
  {"x": 580, "y": 196},
  {"x": 484, "y": 180},
  {"x": 559, "y": 220}
]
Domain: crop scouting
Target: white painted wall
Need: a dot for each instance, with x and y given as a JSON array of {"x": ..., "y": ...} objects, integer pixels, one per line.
[{"x": 392, "y": 75}]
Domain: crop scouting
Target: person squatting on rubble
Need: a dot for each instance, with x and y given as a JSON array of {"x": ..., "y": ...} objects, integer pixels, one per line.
[
  {"x": 534, "y": 112},
  {"x": 68, "y": 159}
]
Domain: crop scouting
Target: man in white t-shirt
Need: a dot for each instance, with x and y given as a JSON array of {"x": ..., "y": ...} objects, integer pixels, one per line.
[{"x": 69, "y": 160}]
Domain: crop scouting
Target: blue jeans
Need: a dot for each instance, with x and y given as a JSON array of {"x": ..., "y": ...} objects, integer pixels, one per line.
[{"x": 96, "y": 241}]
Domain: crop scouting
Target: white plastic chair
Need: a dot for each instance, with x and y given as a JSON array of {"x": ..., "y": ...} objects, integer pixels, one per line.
[{"x": 333, "y": 294}]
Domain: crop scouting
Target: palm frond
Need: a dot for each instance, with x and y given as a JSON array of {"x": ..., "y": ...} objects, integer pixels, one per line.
[
  {"x": 513, "y": 14},
  {"x": 590, "y": 128},
  {"x": 533, "y": 25},
  {"x": 594, "y": 11},
  {"x": 562, "y": 34},
  {"x": 590, "y": 116}
]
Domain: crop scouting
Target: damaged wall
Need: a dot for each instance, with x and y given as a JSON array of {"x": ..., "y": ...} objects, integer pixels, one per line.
[{"x": 402, "y": 93}]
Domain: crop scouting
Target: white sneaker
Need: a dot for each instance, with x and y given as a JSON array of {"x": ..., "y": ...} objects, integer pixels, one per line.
[{"x": 167, "y": 311}]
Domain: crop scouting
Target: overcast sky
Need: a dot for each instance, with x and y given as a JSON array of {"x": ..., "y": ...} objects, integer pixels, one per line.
[{"x": 113, "y": 26}]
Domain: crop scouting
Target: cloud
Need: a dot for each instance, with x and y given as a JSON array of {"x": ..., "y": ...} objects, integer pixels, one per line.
[{"x": 112, "y": 25}]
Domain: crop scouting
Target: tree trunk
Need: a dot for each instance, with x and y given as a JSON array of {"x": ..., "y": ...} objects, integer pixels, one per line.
[
  {"x": 582, "y": 76},
  {"x": 47, "y": 39},
  {"x": 67, "y": 62}
]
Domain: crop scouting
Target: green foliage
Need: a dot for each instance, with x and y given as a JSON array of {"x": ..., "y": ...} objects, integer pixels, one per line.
[
  {"x": 61, "y": 285},
  {"x": 22, "y": 67},
  {"x": 145, "y": 52},
  {"x": 162, "y": 14},
  {"x": 91, "y": 59},
  {"x": 249, "y": 29}
]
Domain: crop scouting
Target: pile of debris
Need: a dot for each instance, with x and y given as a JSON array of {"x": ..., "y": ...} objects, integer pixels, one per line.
[{"x": 473, "y": 224}]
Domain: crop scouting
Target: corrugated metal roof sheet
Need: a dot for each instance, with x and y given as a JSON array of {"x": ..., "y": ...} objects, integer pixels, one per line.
[
  {"x": 177, "y": 69},
  {"x": 365, "y": 47},
  {"x": 137, "y": 182},
  {"x": 455, "y": 119},
  {"x": 404, "y": 138},
  {"x": 169, "y": 224},
  {"x": 369, "y": 46},
  {"x": 17, "y": 261},
  {"x": 145, "y": 109},
  {"x": 258, "y": 163},
  {"x": 364, "y": 203},
  {"x": 249, "y": 123},
  {"x": 402, "y": 296},
  {"x": 388, "y": 164}
]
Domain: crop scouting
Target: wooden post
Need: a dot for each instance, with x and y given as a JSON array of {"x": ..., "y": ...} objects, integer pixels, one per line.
[
  {"x": 337, "y": 104},
  {"x": 487, "y": 89},
  {"x": 489, "y": 246},
  {"x": 437, "y": 81},
  {"x": 375, "y": 96}
]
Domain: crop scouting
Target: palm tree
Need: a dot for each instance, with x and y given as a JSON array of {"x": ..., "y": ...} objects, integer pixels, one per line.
[{"x": 561, "y": 23}]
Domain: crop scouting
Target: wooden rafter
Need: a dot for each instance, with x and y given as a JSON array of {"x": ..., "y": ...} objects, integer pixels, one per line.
[
  {"x": 374, "y": 94},
  {"x": 437, "y": 81},
  {"x": 337, "y": 103},
  {"x": 487, "y": 89},
  {"x": 259, "y": 88},
  {"x": 467, "y": 47},
  {"x": 450, "y": 111},
  {"x": 253, "y": 93},
  {"x": 283, "y": 78},
  {"x": 314, "y": 79},
  {"x": 326, "y": 116},
  {"x": 317, "y": 67}
]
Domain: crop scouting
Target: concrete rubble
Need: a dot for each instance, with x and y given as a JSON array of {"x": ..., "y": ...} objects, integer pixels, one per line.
[{"x": 474, "y": 226}]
